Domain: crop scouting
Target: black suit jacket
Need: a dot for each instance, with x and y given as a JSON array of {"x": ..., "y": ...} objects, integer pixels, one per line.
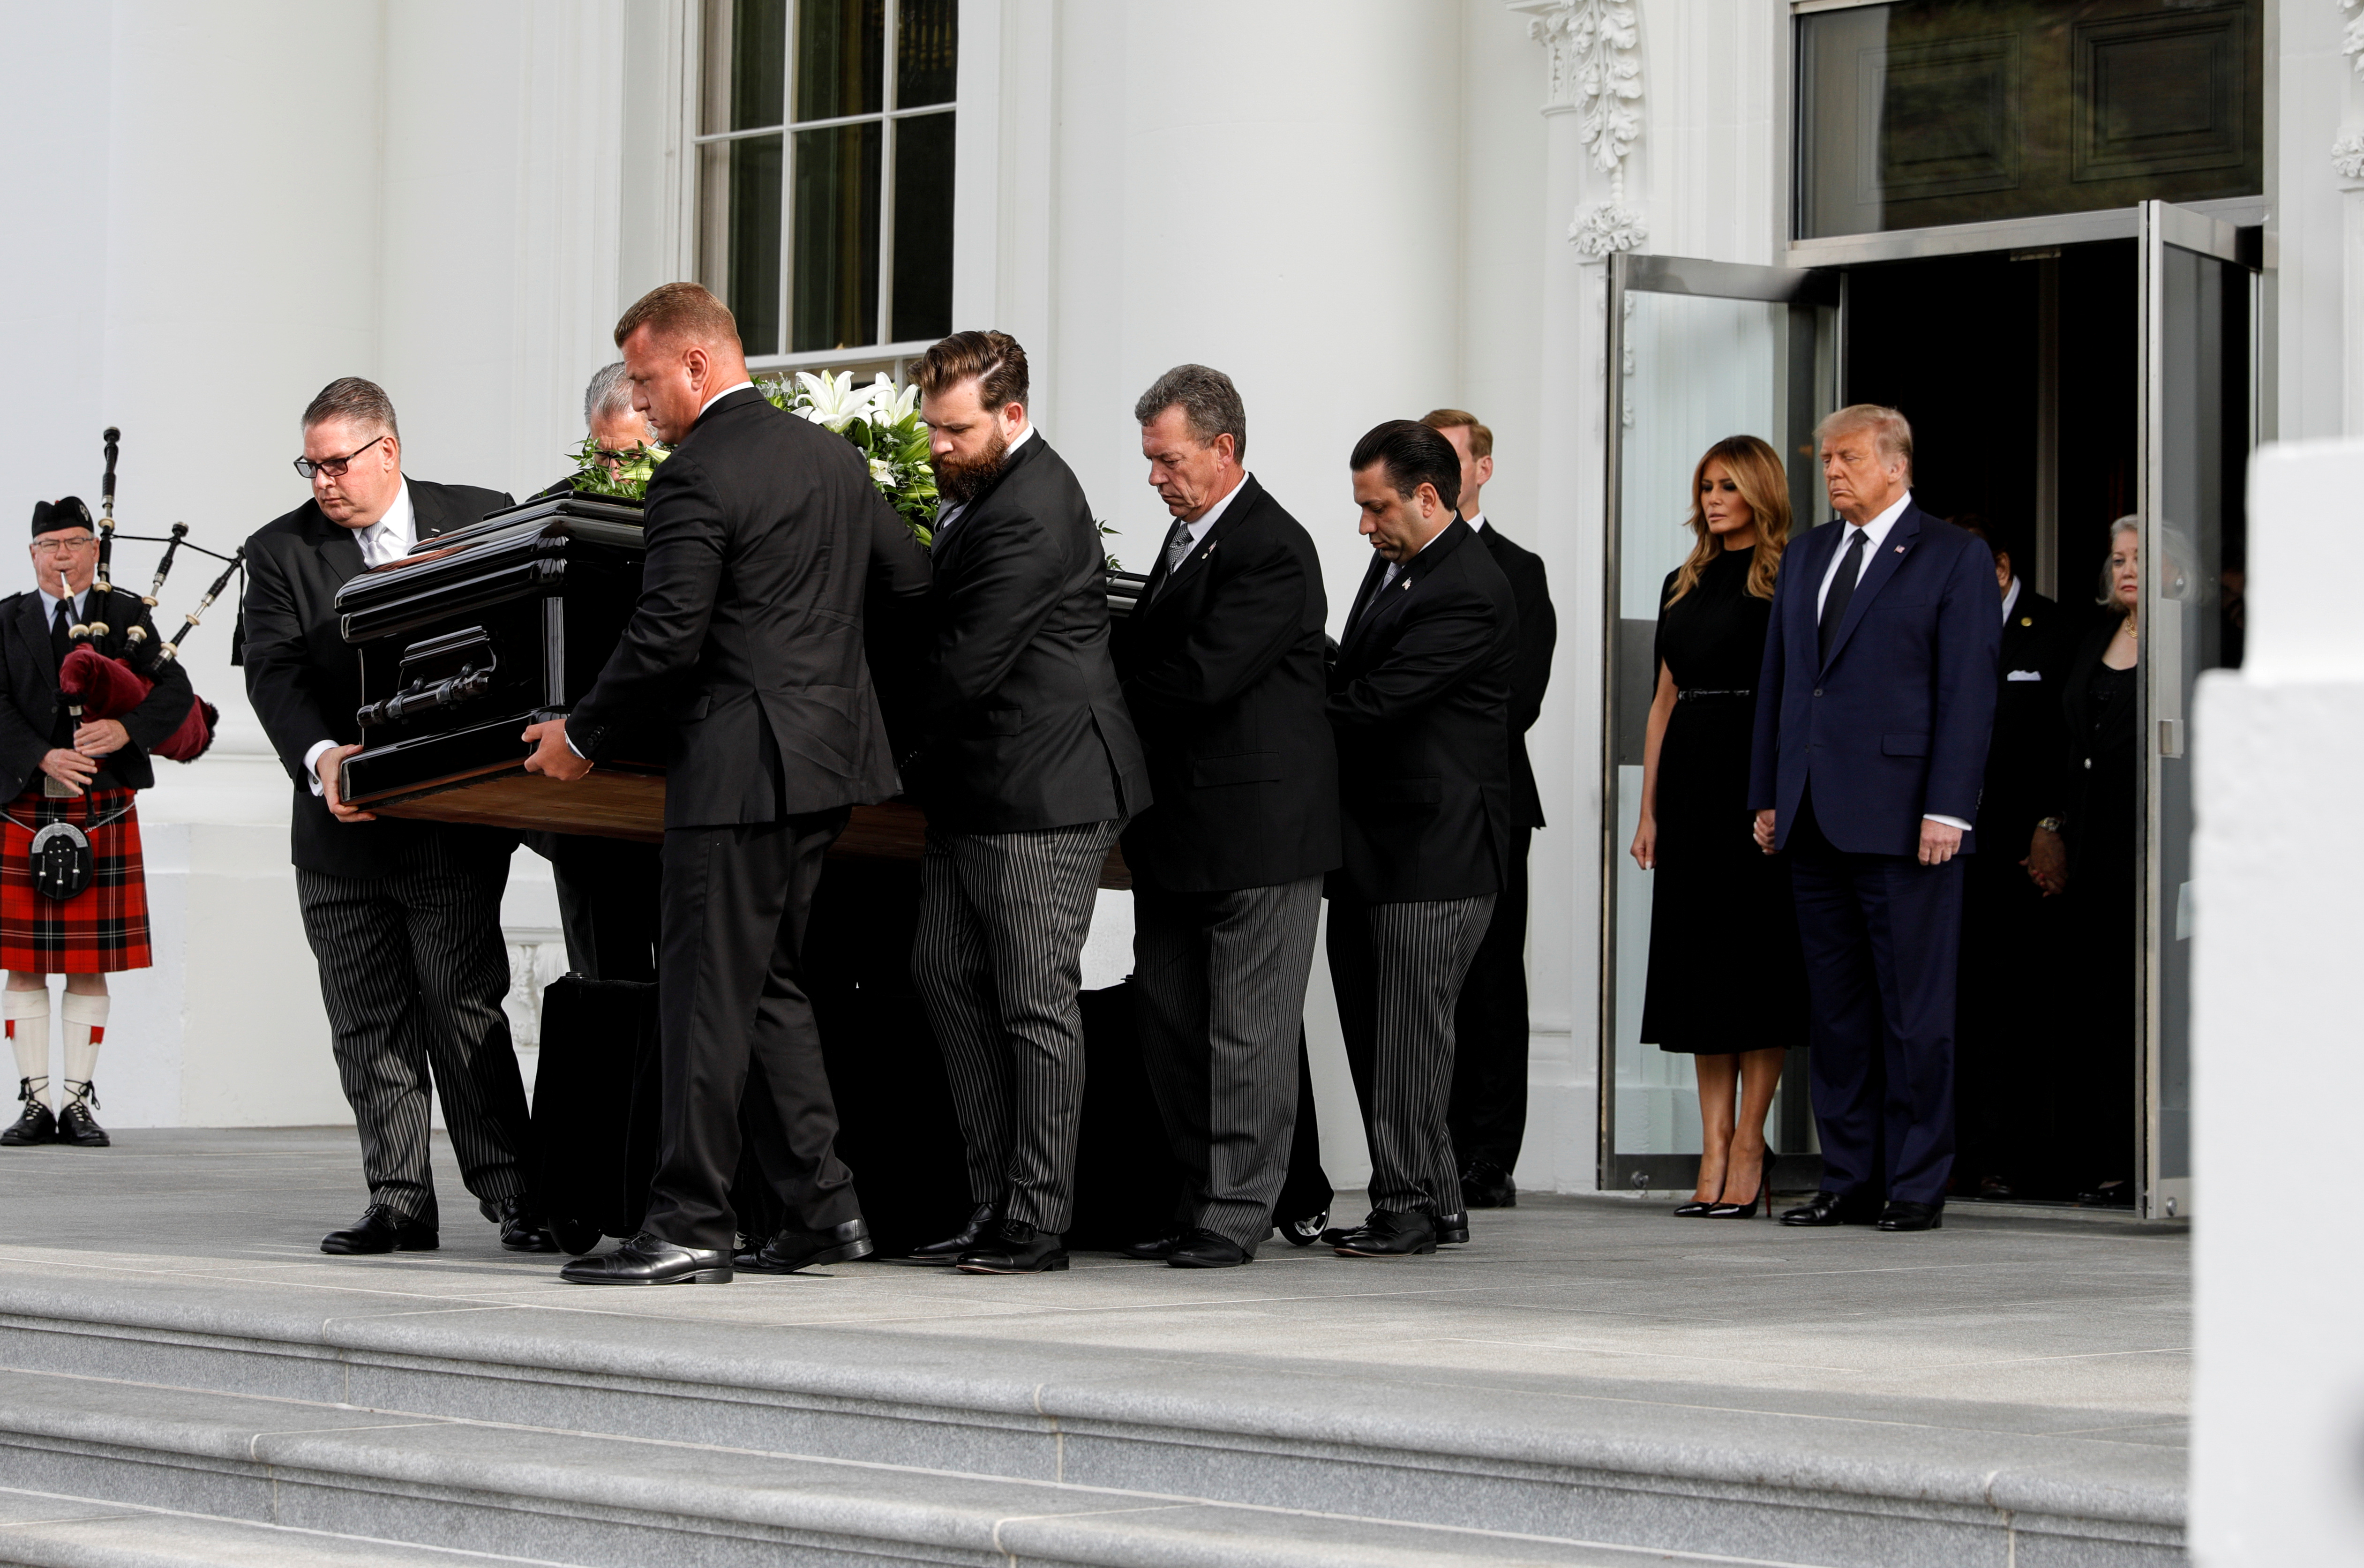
[
  {"x": 1026, "y": 728},
  {"x": 1538, "y": 635},
  {"x": 2030, "y": 747},
  {"x": 765, "y": 538},
  {"x": 1420, "y": 700},
  {"x": 305, "y": 680},
  {"x": 31, "y": 708},
  {"x": 1222, "y": 670}
]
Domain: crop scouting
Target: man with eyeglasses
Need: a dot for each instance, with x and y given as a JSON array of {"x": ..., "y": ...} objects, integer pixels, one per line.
[
  {"x": 404, "y": 917},
  {"x": 57, "y": 769}
]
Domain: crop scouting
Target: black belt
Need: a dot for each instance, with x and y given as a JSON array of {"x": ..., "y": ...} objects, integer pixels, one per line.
[{"x": 1696, "y": 694}]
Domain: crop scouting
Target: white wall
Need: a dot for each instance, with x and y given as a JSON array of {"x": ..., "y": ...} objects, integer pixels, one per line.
[{"x": 2279, "y": 1401}]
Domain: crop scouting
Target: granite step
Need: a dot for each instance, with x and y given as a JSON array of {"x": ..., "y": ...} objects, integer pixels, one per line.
[
  {"x": 1862, "y": 1484},
  {"x": 46, "y": 1530},
  {"x": 206, "y": 1477}
]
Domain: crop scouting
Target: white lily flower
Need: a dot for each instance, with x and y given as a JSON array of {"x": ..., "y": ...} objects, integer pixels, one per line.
[
  {"x": 834, "y": 402},
  {"x": 894, "y": 404},
  {"x": 882, "y": 472}
]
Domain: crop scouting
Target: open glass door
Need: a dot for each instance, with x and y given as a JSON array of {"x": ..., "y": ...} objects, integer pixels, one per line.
[
  {"x": 2198, "y": 398},
  {"x": 1697, "y": 351}
]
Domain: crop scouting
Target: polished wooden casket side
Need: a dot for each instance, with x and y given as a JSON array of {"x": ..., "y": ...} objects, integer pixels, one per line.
[{"x": 475, "y": 635}]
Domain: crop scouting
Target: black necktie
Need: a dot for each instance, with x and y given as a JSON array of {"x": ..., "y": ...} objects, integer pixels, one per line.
[
  {"x": 1835, "y": 603},
  {"x": 62, "y": 630}
]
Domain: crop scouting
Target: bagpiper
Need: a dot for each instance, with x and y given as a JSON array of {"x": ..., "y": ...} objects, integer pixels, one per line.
[{"x": 73, "y": 898}]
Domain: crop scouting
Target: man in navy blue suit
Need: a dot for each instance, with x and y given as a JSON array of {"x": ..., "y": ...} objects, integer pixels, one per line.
[{"x": 1873, "y": 711}]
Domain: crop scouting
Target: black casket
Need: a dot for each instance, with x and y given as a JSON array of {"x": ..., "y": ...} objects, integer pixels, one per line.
[{"x": 475, "y": 634}]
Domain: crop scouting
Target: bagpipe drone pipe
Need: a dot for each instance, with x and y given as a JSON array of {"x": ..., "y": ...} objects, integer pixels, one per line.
[{"x": 115, "y": 662}]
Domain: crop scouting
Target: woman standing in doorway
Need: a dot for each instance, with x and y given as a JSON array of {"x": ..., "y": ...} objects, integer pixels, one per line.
[
  {"x": 1727, "y": 981},
  {"x": 2101, "y": 802}
]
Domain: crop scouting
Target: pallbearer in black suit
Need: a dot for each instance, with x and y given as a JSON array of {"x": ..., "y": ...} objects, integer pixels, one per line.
[
  {"x": 402, "y": 917},
  {"x": 1487, "y": 1116},
  {"x": 53, "y": 768},
  {"x": 1419, "y": 699},
  {"x": 608, "y": 896},
  {"x": 1222, "y": 670},
  {"x": 1028, "y": 769},
  {"x": 765, "y": 538},
  {"x": 2011, "y": 1042}
]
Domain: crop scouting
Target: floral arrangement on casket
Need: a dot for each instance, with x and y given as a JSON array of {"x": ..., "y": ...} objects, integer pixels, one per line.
[{"x": 882, "y": 421}]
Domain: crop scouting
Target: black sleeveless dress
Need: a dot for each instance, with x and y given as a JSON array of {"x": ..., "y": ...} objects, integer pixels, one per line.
[{"x": 1726, "y": 972}]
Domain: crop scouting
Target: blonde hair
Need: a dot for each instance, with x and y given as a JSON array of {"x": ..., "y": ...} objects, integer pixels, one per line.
[
  {"x": 1757, "y": 472},
  {"x": 1890, "y": 430},
  {"x": 1481, "y": 439},
  {"x": 680, "y": 312}
]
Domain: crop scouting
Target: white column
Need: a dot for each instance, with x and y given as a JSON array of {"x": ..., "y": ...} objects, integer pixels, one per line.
[{"x": 2279, "y": 1406}]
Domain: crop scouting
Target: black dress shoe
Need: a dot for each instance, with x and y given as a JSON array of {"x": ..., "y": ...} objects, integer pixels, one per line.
[
  {"x": 796, "y": 1248},
  {"x": 1205, "y": 1250},
  {"x": 380, "y": 1229},
  {"x": 1901, "y": 1216},
  {"x": 1452, "y": 1229},
  {"x": 1157, "y": 1249},
  {"x": 522, "y": 1227},
  {"x": 1303, "y": 1232},
  {"x": 1016, "y": 1248},
  {"x": 649, "y": 1259},
  {"x": 962, "y": 1241},
  {"x": 1387, "y": 1233},
  {"x": 1485, "y": 1185},
  {"x": 38, "y": 1124},
  {"x": 1830, "y": 1208},
  {"x": 1695, "y": 1209},
  {"x": 2108, "y": 1195},
  {"x": 75, "y": 1124}
]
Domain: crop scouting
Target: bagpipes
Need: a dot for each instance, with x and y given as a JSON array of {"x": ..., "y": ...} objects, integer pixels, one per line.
[{"x": 112, "y": 668}]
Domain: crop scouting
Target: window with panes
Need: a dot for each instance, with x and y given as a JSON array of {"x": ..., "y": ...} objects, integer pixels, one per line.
[{"x": 825, "y": 173}]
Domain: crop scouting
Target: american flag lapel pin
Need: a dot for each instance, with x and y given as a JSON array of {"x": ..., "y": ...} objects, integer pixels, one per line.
[{"x": 1900, "y": 549}]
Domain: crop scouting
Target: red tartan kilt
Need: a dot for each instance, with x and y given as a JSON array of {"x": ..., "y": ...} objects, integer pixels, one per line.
[{"x": 103, "y": 928}]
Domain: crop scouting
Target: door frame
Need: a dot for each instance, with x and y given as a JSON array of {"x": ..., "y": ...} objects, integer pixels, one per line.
[
  {"x": 1641, "y": 273},
  {"x": 2164, "y": 727}
]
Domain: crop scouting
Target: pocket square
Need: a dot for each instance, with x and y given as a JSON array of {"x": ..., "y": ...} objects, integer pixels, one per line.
[{"x": 2025, "y": 675}]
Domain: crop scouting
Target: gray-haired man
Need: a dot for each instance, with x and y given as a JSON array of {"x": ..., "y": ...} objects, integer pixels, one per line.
[
  {"x": 1222, "y": 666},
  {"x": 607, "y": 892}
]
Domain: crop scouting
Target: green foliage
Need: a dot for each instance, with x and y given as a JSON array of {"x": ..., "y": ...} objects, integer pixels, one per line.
[
  {"x": 882, "y": 422},
  {"x": 630, "y": 481}
]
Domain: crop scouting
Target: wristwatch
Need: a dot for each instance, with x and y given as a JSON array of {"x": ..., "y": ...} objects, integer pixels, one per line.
[{"x": 2051, "y": 824}]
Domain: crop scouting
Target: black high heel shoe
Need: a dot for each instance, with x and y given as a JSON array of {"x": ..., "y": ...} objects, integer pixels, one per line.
[
  {"x": 1695, "y": 1209},
  {"x": 1747, "y": 1210}
]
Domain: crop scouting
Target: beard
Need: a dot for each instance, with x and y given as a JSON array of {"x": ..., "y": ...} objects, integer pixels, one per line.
[{"x": 958, "y": 482}]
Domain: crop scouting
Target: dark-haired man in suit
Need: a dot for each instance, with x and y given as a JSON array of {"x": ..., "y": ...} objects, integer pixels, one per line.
[
  {"x": 1222, "y": 670},
  {"x": 1029, "y": 771},
  {"x": 1489, "y": 1115},
  {"x": 1873, "y": 710},
  {"x": 402, "y": 917},
  {"x": 2009, "y": 1004},
  {"x": 1419, "y": 699},
  {"x": 765, "y": 538}
]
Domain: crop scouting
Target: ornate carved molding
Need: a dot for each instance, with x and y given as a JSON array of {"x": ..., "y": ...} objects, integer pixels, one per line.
[
  {"x": 1596, "y": 73},
  {"x": 2347, "y": 155}
]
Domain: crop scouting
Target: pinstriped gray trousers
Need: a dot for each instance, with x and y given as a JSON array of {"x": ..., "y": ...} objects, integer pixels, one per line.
[
  {"x": 412, "y": 971},
  {"x": 1398, "y": 970},
  {"x": 997, "y": 960},
  {"x": 1220, "y": 982}
]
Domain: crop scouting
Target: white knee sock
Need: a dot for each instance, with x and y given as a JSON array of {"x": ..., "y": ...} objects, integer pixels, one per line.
[
  {"x": 28, "y": 1013},
  {"x": 86, "y": 1019}
]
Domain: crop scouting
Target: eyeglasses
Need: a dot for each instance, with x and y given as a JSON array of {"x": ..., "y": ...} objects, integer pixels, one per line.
[
  {"x": 334, "y": 467},
  {"x": 63, "y": 546}
]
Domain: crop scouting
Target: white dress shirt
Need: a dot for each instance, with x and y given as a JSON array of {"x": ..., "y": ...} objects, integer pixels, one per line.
[
  {"x": 388, "y": 539},
  {"x": 946, "y": 517},
  {"x": 49, "y": 606},
  {"x": 1875, "y": 535},
  {"x": 2010, "y": 598},
  {"x": 1213, "y": 514},
  {"x": 1476, "y": 523}
]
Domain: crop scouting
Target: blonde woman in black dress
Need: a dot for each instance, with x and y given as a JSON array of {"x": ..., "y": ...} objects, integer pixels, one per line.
[{"x": 1727, "y": 980}]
